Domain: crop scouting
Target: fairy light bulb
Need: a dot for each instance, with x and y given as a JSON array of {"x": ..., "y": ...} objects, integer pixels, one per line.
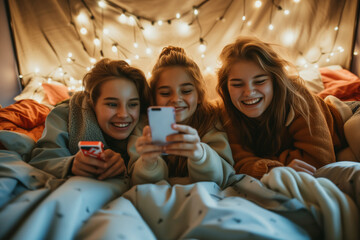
[
  {"x": 243, "y": 18},
  {"x": 327, "y": 59},
  {"x": 106, "y": 31},
  {"x": 286, "y": 12},
  {"x": 183, "y": 28},
  {"x": 258, "y": 4},
  {"x": 148, "y": 51},
  {"x": 336, "y": 28},
  {"x": 178, "y": 15},
  {"x": 136, "y": 56},
  {"x": 149, "y": 74},
  {"x": 196, "y": 11},
  {"x": 202, "y": 46},
  {"x": 102, "y": 4},
  {"x": 202, "y": 55},
  {"x": 136, "y": 45},
  {"x": 97, "y": 41},
  {"x": 128, "y": 61},
  {"x": 70, "y": 54},
  {"x": 131, "y": 21},
  {"x": 122, "y": 18},
  {"x": 271, "y": 27},
  {"x": 49, "y": 80},
  {"x": 160, "y": 22},
  {"x": 356, "y": 53},
  {"x": 331, "y": 54},
  {"x": 92, "y": 60},
  {"x": 296, "y": 1},
  {"x": 249, "y": 23},
  {"x": 83, "y": 31},
  {"x": 20, "y": 76},
  {"x": 114, "y": 48},
  {"x": 88, "y": 69},
  {"x": 81, "y": 18},
  {"x": 68, "y": 60},
  {"x": 341, "y": 49}
]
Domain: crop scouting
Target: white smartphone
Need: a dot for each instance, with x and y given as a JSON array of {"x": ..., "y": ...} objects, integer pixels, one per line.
[{"x": 160, "y": 121}]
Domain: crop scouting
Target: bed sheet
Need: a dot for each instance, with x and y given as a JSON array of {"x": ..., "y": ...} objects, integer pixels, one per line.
[{"x": 282, "y": 205}]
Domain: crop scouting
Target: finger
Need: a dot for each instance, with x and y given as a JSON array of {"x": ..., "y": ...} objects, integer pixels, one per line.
[
  {"x": 116, "y": 169},
  {"x": 306, "y": 166},
  {"x": 149, "y": 148},
  {"x": 182, "y": 152},
  {"x": 147, "y": 131},
  {"x": 184, "y": 129},
  {"x": 81, "y": 167},
  {"x": 191, "y": 138},
  {"x": 80, "y": 157},
  {"x": 79, "y": 172},
  {"x": 180, "y": 146},
  {"x": 151, "y": 155},
  {"x": 143, "y": 141}
]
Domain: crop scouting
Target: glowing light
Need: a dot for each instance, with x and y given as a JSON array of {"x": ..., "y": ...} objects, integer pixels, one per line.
[
  {"x": 102, "y": 4},
  {"x": 97, "y": 41},
  {"x": 49, "y": 80},
  {"x": 88, "y": 69},
  {"x": 202, "y": 55},
  {"x": 137, "y": 57},
  {"x": 196, "y": 12},
  {"x": 356, "y": 53},
  {"x": 178, "y": 15},
  {"x": 208, "y": 69},
  {"x": 341, "y": 49},
  {"x": 183, "y": 27},
  {"x": 249, "y": 23},
  {"x": 316, "y": 66},
  {"x": 136, "y": 45},
  {"x": 20, "y": 76},
  {"x": 149, "y": 31},
  {"x": 83, "y": 31},
  {"x": 327, "y": 59},
  {"x": 331, "y": 54},
  {"x": 149, "y": 74},
  {"x": 92, "y": 60},
  {"x": 160, "y": 22},
  {"x": 122, "y": 18},
  {"x": 202, "y": 47},
  {"x": 37, "y": 70},
  {"x": 68, "y": 60},
  {"x": 82, "y": 18},
  {"x": 336, "y": 28},
  {"x": 296, "y": 1},
  {"x": 128, "y": 61},
  {"x": 287, "y": 12},
  {"x": 106, "y": 31},
  {"x": 148, "y": 51},
  {"x": 131, "y": 21},
  {"x": 244, "y": 18},
  {"x": 288, "y": 38},
  {"x": 114, "y": 48},
  {"x": 271, "y": 27},
  {"x": 258, "y": 4}
]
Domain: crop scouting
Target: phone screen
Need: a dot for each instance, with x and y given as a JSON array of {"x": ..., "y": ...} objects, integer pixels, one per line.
[{"x": 160, "y": 121}]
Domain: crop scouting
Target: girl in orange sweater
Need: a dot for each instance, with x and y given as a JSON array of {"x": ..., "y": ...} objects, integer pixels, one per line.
[{"x": 271, "y": 118}]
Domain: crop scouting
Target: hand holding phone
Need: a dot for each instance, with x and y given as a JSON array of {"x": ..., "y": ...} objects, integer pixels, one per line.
[
  {"x": 91, "y": 148},
  {"x": 160, "y": 121}
]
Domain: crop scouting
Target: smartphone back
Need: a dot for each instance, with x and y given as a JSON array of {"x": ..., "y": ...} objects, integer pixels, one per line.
[{"x": 160, "y": 121}]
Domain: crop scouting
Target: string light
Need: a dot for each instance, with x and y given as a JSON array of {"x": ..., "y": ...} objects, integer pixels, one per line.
[
  {"x": 258, "y": 4},
  {"x": 83, "y": 31},
  {"x": 178, "y": 15}
]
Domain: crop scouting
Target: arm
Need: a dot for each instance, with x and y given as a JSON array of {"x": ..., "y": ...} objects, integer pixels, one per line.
[
  {"x": 51, "y": 152},
  {"x": 216, "y": 163}
]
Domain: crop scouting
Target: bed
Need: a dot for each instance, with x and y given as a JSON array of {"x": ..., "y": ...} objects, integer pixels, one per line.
[{"x": 282, "y": 205}]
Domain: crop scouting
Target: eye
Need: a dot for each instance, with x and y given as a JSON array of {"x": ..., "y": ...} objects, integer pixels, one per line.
[
  {"x": 111, "y": 104},
  {"x": 133, "y": 104},
  {"x": 186, "y": 91},
  {"x": 236, "y": 85},
  {"x": 164, "y": 94}
]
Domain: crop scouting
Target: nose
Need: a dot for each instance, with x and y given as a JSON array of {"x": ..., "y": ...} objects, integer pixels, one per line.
[
  {"x": 249, "y": 90},
  {"x": 122, "y": 111},
  {"x": 177, "y": 97}
]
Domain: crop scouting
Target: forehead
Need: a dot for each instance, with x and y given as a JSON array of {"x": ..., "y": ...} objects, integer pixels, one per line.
[
  {"x": 118, "y": 88},
  {"x": 174, "y": 77},
  {"x": 245, "y": 68}
]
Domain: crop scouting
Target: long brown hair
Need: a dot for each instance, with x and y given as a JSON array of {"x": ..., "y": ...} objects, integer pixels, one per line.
[
  {"x": 206, "y": 113},
  {"x": 262, "y": 135},
  {"x": 107, "y": 69}
]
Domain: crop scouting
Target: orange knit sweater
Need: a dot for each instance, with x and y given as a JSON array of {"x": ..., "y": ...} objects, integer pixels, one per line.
[{"x": 317, "y": 149}]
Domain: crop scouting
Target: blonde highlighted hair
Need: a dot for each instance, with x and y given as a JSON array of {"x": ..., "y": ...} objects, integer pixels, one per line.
[{"x": 262, "y": 135}]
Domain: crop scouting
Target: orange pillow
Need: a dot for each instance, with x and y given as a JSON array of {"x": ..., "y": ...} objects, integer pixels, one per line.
[{"x": 55, "y": 92}]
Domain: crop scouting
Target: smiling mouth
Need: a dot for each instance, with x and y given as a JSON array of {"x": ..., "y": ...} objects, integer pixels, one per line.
[
  {"x": 178, "y": 109},
  {"x": 251, "y": 101},
  {"x": 121, "y": 125}
]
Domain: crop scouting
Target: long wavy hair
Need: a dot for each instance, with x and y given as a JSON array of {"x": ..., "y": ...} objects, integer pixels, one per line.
[
  {"x": 107, "y": 69},
  {"x": 206, "y": 113},
  {"x": 262, "y": 135}
]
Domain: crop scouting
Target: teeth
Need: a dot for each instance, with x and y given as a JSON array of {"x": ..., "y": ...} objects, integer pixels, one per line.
[
  {"x": 121, "y": 125},
  {"x": 251, "y": 101}
]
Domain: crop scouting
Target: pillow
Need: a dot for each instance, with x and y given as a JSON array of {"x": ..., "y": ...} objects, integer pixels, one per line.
[
  {"x": 55, "y": 92},
  {"x": 312, "y": 78},
  {"x": 33, "y": 90}
]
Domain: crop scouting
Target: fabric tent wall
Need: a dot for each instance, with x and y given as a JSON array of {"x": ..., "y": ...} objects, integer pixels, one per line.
[
  {"x": 9, "y": 84},
  {"x": 314, "y": 33}
]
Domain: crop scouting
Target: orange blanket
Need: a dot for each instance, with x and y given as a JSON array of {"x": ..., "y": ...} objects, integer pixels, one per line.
[
  {"x": 25, "y": 116},
  {"x": 340, "y": 83}
]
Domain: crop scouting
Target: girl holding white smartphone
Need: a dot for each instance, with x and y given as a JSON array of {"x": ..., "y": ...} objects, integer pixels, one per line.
[{"x": 199, "y": 151}]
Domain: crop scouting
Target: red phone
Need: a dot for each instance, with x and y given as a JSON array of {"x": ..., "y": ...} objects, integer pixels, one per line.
[{"x": 91, "y": 148}]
